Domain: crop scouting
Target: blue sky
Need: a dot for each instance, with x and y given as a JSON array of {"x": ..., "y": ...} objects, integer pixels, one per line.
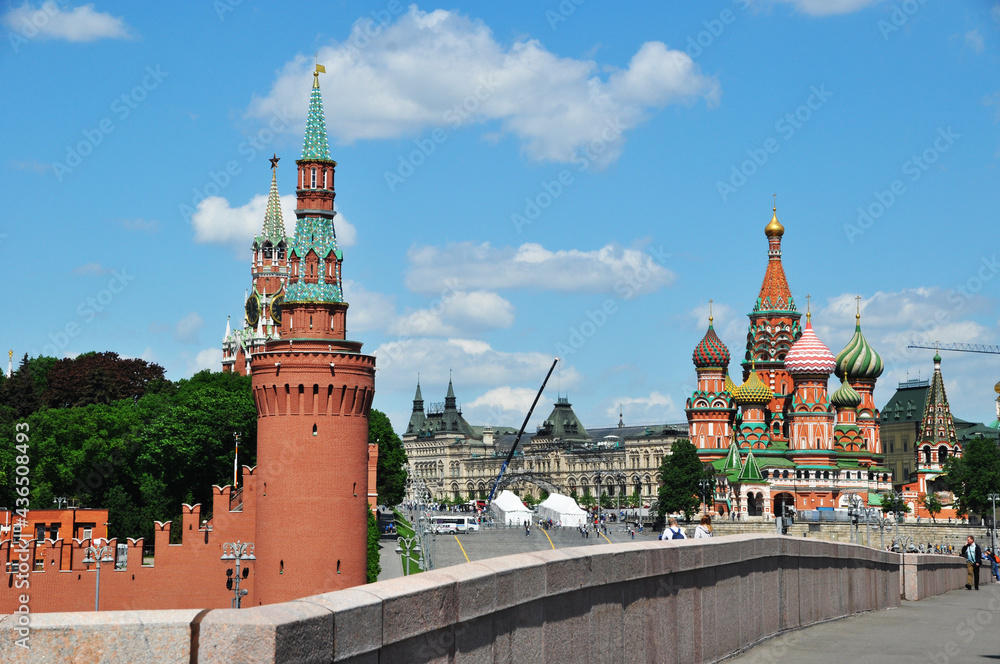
[{"x": 515, "y": 181}]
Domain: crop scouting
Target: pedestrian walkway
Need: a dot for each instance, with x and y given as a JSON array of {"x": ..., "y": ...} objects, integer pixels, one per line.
[{"x": 959, "y": 626}]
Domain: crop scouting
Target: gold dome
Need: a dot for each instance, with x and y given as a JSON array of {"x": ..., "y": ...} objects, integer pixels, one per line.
[
  {"x": 774, "y": 229},
  {"x": 996, "y": 388}
]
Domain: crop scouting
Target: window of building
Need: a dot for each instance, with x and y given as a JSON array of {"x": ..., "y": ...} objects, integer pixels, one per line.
[{"x": 314, "y": 178}]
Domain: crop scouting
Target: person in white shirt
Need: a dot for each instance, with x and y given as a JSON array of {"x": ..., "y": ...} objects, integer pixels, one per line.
[
  {"x": 673, "y": 531},
  {"x": 704, "y": 528}
]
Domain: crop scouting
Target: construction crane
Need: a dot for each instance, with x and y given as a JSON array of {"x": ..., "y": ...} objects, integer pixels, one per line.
[{"x": 961, "y": 348}]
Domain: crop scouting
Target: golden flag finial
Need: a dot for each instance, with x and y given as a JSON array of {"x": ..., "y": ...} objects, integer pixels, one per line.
[
  {"x": 808, "y": 308},
  {"x": 710, "y": 312},
  {"x": 320, "y": 69}
]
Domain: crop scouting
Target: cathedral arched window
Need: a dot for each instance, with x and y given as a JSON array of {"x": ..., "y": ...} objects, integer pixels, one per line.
[{"x": 314, "y": 178}]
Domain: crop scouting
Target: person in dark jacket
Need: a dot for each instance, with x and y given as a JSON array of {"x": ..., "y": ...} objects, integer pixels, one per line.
[{"x": 973, "y": 554}]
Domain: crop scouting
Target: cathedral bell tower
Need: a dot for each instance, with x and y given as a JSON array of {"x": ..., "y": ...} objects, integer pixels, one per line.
[{"x": 313, "y": 389}]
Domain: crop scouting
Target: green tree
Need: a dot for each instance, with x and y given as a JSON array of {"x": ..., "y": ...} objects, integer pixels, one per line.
[
  {"x": 933, "y": 505},
  {"x": 635, "y": 499},
  {"x": 390, "y": 475},
  {"x": 587, "y": 501},
  {"x": 374, "y": 561},
  {"x": 974, "y": 476},
  {"x": 679, "y": 474},
  {"x": 21, "y": 391}
]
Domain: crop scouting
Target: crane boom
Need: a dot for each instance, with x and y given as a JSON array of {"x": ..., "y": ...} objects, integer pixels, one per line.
[
  {"x": 961, "y": 348},
  {"x": 520, "y": 433}
]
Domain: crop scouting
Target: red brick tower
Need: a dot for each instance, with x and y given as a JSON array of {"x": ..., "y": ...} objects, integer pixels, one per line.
[
  {"x": 269, "y": 270},
  {"x": 313, "y": 390},
  {"x": 774, "y": 327},
  {"x": 710, "y": 410}
]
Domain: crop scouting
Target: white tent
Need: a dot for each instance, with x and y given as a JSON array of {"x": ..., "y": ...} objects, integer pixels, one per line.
[
  {"x": 509, "y": 509},
  {"x": 563, "y": 510}
]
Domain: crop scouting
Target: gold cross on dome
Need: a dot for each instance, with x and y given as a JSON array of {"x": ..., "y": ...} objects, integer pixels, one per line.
[
  {"x": 858, "y": 314},
  {"x": 710, "y": 310}
]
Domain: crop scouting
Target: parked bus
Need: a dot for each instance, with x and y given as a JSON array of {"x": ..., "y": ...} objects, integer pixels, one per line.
[{"x": 455, "y": 524}]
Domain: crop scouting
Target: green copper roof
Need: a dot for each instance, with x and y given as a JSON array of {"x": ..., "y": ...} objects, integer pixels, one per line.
[
  {"x": 274, "y": 223},
  {"x": 750, "y": 472},
  {"x": 858, "y": 360},
  {"x": 733, "y": 459},
  {"x": 316, "y": 145}
]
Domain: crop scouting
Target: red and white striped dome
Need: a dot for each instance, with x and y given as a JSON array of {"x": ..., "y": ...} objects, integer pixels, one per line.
[{"x": 809, "y": 355}]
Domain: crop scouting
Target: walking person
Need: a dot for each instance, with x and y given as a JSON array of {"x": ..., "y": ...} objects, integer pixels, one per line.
[
  {"x": 704, "y": 528},
  {"x": 973, "y": 554}
]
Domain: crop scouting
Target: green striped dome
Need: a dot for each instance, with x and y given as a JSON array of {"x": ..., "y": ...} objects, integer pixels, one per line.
[
  {"x": 845, "y": 396},
  {"x": 858, "y": 360}
]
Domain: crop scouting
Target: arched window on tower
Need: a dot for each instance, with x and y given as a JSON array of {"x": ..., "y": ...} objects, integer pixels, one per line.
[
  {"x": 314, "y": 178},
  {"x": 325, "y": 173}
]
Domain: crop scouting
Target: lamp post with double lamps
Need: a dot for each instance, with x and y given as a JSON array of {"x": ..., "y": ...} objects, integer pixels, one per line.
[
  {"x": 405, "y": 548},
  {"x": 705, "y": 485},
  {"x": 97, "y": 555},
  {"x": 237, "y": 551}
]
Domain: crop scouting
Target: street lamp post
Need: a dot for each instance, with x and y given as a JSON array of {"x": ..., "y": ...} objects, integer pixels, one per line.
[
  {"x": 705, "y": 484},
  {"x": 408, "y": 546},
  {"x": 238, "y": 552},
  {"x": 993, "y": 498},
  {"x": 97, "y": 555}
]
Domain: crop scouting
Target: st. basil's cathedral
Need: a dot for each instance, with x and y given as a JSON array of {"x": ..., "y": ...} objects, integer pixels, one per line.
[{"x": 781, "y": 438}]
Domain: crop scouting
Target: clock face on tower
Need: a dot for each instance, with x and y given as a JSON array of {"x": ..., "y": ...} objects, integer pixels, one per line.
[
  {"x": 276, "y": 304},
  {"x": 253, "y": 310}
]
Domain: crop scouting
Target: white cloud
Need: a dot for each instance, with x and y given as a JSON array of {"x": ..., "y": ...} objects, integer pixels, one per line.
[
  {"x": 149, "y": 355},
  {"x": 187, "y": 328},
  {"x": 657, "y": 407},
  {"x": 91, "y": 269},
  {"x": 481, "y": 266},
  {"x": 474, "y": 364},
  {"x": 216, "y": 222},
  {"x": 501, "y": 406},
  {"x": 78, "y": 24},
  {"x": 368, "y": 310},
  {"x": 457, "y": 312},
  {"x": 209, "y": 358},
  {"x": 443, "y": 69},
  {"x": 974, "y": 40},
  {"x": 829, "y": 7}
]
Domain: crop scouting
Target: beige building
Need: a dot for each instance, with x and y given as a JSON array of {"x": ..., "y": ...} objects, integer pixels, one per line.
[{"x": 455, "y": 460}]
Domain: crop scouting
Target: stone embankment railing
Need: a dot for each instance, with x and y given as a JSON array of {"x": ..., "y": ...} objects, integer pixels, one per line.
[{"x": 677, "y": 601}]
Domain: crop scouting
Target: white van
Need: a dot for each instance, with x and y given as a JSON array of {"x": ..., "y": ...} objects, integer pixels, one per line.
[{"x": 455, "y": 524}]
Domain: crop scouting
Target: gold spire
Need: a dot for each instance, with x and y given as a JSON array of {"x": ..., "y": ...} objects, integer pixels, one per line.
[
  {"x": 808, "y": 308},
  {"x": 774, "y": 229},
  {"x": 320, "y": 69},
  {"x": 857, "y": 316},
  {"x": 710, "y": 319}
]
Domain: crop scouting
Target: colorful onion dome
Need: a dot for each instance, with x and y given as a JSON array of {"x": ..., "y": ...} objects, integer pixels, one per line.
[
  {"x": 845, "y": 396},
  {"x": 710, "y": 351},
  {"x": 730, "y": 386},
  {"x": 774, "y": 228},
  {"x": 809, "y": 355},
  {"x": 753, "y": 391},
  {"x": 937, "y": 358},
  {"x": 996, "y": 388},
  {"x": 858, "y": 360}
]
